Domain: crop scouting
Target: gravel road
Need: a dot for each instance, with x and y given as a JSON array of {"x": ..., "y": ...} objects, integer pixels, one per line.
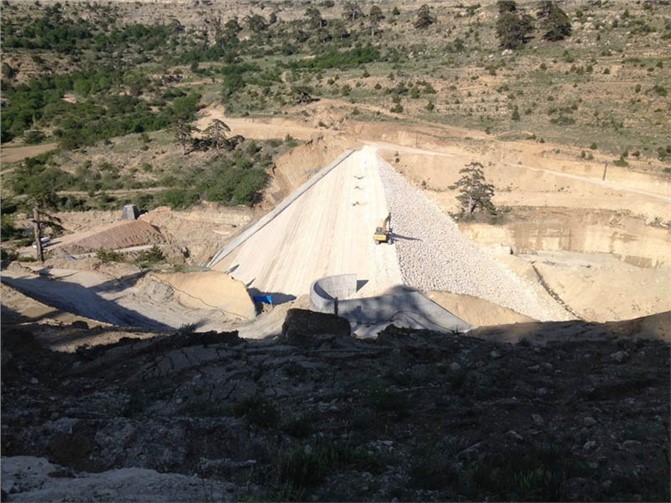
[{"x": 434, "y": 255}]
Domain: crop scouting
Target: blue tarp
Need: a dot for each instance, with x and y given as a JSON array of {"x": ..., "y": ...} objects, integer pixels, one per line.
[{"x": 264, "y": 299}]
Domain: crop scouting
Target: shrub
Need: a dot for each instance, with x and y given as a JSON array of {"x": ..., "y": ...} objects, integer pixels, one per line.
[
  {"x": 659, "y": 90},
  {"x": 178, "y": 199},
  {"x": 110, "y": 255},
  {"x": 150, "y": 257},
  {"x": 621, "y": 162},
  {"x": 33, "y": 136}
]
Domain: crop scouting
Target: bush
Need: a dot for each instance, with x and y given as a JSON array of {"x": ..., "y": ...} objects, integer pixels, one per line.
[
  {"x": 339, "y": 59},
  {"x": 33, "y": 136},
  {"x": 300, "y": 427},
  {"x": 9, "y": 255},
  {"x": 178, "y": 199},
  {"x": 150, "y": 257},
  {"x": 621, "y": 162},
  {"x": 110, "y": 255}
]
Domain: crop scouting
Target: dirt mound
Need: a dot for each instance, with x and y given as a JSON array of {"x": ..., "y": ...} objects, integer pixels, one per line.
[
  {"x": 209, "y": 290},
  {"x": 200, "y": 231},
  {"x": 117, "y": 235},
  {"x": 476, "y": 311}
]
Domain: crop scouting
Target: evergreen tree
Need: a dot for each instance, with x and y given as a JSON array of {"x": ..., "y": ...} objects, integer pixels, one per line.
[
  {"x": 352, "y": 11},
  {"x": 183, "y": 133},
  {"x": 475, "y": 194},
  {"x": 314, "y": 18},
  {"x": 256, "y": 23},
  {"x": 216, "y": 133},
  {"x": 555, "y": 22},
  {"x": 376, "y": 13},
  {"x": 512, "y": 26},
  {"x": 424, "y": 18}
]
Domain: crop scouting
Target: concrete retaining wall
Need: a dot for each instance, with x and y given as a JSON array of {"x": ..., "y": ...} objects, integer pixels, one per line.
[{"x": 324, "y": 291}]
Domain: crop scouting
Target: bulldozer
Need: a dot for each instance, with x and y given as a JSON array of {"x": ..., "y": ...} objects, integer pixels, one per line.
[{"x": 383, "y": 231}]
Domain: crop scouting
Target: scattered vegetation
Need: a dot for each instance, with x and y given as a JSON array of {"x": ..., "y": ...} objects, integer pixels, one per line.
[
  {"x": 307, "y": 465},
  {"x": 95, "y": 77}
]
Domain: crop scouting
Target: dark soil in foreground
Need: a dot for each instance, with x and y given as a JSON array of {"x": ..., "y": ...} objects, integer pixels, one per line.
[{"x": 412, "y": 416}]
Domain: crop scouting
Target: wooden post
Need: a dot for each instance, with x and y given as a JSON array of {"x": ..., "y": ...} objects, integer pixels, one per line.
[
  {"x": 38, "y": 234},
  {"x": 605, "y": 168}
]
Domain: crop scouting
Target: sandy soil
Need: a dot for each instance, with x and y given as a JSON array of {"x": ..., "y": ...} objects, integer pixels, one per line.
[
  {"x": 260, "y": 129},
  {"x": 601, "y": 288},
  {"x": 211, "y": 290},
  {"x": 478, "y": 312}
]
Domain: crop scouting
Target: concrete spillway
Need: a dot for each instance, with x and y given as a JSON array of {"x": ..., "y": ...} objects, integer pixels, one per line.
[
  {"x": 320, "y": 241},
  {"x": 325, "y": 228}
]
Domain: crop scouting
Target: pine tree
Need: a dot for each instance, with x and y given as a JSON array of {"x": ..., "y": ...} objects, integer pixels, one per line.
[
  {"x": 216, "y": 133},
  {"x": 424, "y": 18},
  {"x": 352, "y": 11},
  {"x": 512, "y": 27},
  {"x": 183, "y": 132},
  {"x": 555, "y": 21},
  {"x": 475, "y": 194}
]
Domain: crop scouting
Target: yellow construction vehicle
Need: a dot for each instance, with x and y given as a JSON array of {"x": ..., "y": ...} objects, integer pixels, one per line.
[{"x": 383, "y": 232}]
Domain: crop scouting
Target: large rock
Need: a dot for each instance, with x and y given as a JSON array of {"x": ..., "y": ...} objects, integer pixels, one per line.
[{"x": 306, "y": 328}]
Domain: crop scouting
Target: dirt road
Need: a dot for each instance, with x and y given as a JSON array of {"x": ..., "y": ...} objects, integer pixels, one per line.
[{"x": 13, "y": 154}]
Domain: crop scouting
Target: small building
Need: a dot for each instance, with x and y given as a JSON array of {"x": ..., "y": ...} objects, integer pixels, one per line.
[{"x": 130, "y": 212}]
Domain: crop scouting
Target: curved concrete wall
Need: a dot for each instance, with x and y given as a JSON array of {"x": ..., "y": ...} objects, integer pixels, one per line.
[{"x": 324, "y": 290}]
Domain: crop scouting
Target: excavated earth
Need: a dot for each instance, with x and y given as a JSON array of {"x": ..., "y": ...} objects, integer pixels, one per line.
[{"x": 574, "y": 411}]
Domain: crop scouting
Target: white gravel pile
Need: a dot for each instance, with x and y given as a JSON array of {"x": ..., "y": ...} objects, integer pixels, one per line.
[{"x": 434, "y": 255}]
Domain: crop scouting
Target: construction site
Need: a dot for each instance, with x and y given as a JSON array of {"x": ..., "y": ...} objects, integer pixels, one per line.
[{"x": 366, "y": 233}]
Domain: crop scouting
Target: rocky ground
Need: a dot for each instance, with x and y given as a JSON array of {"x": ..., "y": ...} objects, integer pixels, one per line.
[{"x": 410, "y": 416}]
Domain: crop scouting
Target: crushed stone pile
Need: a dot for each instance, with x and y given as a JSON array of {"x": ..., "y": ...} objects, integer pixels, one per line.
[{"x": 434, "y": 255}]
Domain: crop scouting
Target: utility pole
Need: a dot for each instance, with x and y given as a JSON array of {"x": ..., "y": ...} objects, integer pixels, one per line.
[{"x": 37, "y": 230}]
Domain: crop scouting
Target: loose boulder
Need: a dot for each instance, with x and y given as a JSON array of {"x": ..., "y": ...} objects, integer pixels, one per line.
[{"x": 306, "y": 328}]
